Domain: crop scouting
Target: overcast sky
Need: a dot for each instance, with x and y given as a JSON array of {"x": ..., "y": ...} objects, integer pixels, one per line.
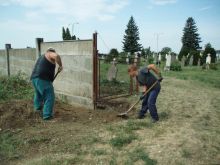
[{"x": 21, "y": 21}]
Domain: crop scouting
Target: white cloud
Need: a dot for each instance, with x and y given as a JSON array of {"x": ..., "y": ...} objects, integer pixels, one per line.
[
  {"x": 77, "y": 9},
  {"x": 162, "y": 2},
  {"x": 205, "y": 8}
]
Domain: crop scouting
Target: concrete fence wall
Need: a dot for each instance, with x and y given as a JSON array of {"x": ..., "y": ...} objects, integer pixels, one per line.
[
  {"x": 22, "y": 60},
  {"x": 74, "y": 84},
  {"x": 3, "y": 63}
]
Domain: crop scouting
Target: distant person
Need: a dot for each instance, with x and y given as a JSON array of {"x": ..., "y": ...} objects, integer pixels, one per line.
[
  {"x": 42, "y": 78},
  {"x": 146, "y": 77}
]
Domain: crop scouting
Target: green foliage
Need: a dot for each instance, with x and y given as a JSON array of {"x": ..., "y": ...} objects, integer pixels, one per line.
[
  {"x": 63, "y": 33},
  {"x": 165, "y": 51},
  {"x": 15, "y": 87},
  {"x": 203, "y": 77},
  {"x": 196, "y": 57},
  {"x": 211, "y": 51},
  {"x": 68, "y": 35},
  {"x": 213, "y": 66},
  {"x": 131, "y": 37},
  {"x": 114, "y": 53},
  {"x": 122, "y": 139},
  {"x": 150, "y": 60},
  {"x": 175, "y": 66},
  {"x": 190, "y": 37},
  {"x": 183, "y": 52},
  {"x": 140, "y": 154},
  {"x": 8, "y": 147}
]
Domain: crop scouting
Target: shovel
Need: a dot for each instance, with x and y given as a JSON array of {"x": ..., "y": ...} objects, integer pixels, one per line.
[
  {"x": 56, "y": 75},
  {"x": 124, "y": 114}
]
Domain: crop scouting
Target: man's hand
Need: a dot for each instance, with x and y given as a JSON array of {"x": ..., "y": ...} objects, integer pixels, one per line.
[
  {"x": 60, "y": 68},
  {"x": 142, "y": 97},
  {"x": 160, "y": 79}
]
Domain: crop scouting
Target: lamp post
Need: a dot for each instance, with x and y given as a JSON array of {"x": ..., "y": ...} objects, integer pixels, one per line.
[
  {"x": 74, "y": 23},
  {"x": 157, "y": 36}
]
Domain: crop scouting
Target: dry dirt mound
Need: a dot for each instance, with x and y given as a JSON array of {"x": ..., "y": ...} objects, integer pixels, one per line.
[{"x": 19, "y": 113}]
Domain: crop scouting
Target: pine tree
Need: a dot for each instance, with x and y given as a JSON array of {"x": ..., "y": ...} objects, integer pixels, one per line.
[
  {"x": 190, "y": 39},
  {"x": 68, "y": 35},
  {"x": 63, "y": 34},
  {"x": 131, "y": 37}
]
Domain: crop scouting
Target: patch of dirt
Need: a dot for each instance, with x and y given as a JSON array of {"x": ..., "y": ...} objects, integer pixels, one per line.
[{"x": 20, "y": 113}]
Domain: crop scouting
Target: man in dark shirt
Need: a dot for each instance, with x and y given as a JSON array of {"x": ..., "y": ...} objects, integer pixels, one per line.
[
  {"x": 147, "y": 77},
  {"x": 42, "y": 78}
]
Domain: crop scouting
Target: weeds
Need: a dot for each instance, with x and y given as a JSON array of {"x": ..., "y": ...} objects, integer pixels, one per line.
[
  {"x": 8, "y": 147},
  {"x": 122, "y": 139},
  {"x": 140, "y": 154},
  {"x": 15, "y": 87}
]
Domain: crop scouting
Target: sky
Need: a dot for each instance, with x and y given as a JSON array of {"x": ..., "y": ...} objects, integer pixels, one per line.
[{"x": 160, "y": 22}]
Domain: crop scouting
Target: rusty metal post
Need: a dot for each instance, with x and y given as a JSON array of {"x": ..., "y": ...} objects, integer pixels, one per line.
[
  {"x": 95, "y": 71},
  {"x": 7, "y": 47}
]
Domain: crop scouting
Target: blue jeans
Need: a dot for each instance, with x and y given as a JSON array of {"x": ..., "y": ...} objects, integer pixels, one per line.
[
  {"x": 149, "y": 102},
  {"x": 44, "y": 96}
]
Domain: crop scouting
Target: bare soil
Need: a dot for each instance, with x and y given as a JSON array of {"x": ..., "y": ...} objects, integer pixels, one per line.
[{"x": 20, "y": 113}]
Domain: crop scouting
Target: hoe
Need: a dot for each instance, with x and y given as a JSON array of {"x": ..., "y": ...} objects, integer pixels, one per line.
[{"x": 124, "y": 114}]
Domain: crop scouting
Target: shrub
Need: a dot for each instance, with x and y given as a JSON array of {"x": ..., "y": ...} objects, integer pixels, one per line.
[{"x": 175, "y": 66}]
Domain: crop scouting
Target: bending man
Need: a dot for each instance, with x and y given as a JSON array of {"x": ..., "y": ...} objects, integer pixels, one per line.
[
  {"x": 42, "y": 78},
  {"x": 146, "y": 77}
]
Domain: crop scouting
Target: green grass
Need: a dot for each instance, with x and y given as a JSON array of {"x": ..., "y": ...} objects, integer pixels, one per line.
[
  {"x": 15, "y": 87},
  {"x": 199, "y": 75},
  {"x": 122, "y": 139},
  {"x": 140, "y": 154},
  {"x": 9, "y": 147}
]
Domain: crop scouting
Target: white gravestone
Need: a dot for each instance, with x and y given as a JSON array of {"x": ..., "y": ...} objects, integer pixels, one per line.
[
  {"x": 208, "y": 61},
  {"x": 112, "y": 72},
  {"x": 168, "y": 62}
]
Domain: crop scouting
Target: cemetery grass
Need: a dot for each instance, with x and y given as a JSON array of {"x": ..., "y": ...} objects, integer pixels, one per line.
[{"x": 187, "y": 133}]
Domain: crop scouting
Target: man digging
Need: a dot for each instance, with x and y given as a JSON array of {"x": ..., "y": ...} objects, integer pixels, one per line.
[
  {"x": 147, "y": 77},
  {"x": 42, "y": 78}
]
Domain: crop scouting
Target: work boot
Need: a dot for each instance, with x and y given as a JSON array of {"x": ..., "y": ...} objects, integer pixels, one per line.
[
  {"x": 141, "y": 116},
  {"x": 38, "y": 112},
  {"x": 48, "y": 118},
  {"x": 154, "y": 121}
]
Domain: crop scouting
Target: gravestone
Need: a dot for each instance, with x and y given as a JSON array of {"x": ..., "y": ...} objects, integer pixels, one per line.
[
  {"x": 199, "y": 63},
  {"x": 127, "y": 60},
  {"x": 191, "y": 61},
  {"x": 183, "y": 60},
  {"x": 112, "y": 72},
  {"x": 208, "y": 61},
  {"x": 168, "y": 62}
]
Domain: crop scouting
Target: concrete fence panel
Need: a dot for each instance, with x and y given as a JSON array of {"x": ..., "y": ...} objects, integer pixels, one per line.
[
  {"x": 3, "y": 63},
  {"x": 22, "y": 60},
  {"x": 75, "y": 83}
]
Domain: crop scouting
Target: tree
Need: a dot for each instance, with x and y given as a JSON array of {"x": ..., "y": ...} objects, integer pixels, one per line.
[
  {"x": 114, "y": 52},
  {"x": 73, "y": 37},
  {"x": 68, "y": 35},
  {"x": 131, "y": 37},
  {"x": 209, "y": 50},
  {"x": 165, "y": 51},
  {"x": 63, "y": 33},
  {"x": 190, "y": 38}
]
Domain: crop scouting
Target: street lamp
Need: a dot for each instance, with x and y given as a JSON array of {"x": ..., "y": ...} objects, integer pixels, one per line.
[
  {"x": 74, "y": 23},
  {"x": 157, "y": 35}
]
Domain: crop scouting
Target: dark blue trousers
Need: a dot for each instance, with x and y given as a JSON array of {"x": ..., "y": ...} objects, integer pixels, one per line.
[{"x": 149, "y": 103}]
